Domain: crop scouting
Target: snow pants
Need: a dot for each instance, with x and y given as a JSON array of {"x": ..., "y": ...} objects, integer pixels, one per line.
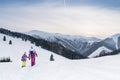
[
  {"x": 32, "y": 60},
  {"x": 23, "y": 63}
]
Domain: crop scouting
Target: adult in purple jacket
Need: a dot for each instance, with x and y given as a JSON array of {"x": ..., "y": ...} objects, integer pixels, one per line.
[{"x": 32, "y": 56}]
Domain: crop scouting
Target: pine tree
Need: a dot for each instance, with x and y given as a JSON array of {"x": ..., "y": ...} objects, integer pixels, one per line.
[
  {"x": 51, "y": 57},
  {"x": 4, "y": 38},
  {"x": 10, "y": 42}
]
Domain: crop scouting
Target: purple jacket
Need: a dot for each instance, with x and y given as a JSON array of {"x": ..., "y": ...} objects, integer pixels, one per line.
[{"x": 24, "y": 57}]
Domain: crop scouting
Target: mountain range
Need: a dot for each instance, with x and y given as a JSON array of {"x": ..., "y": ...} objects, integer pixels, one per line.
[
  {"x": 69, "y": 46},
  {"x": 86, "y": 46}
]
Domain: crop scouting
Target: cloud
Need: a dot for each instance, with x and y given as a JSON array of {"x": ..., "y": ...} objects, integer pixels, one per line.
[{"x": 80, "y": 20}]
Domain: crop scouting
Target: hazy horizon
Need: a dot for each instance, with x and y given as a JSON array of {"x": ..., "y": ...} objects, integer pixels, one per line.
[{"x": 90, "y": 18}]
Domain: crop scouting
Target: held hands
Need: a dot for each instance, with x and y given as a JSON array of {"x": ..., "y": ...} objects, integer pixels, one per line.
[{"x": 29, "y": 58}]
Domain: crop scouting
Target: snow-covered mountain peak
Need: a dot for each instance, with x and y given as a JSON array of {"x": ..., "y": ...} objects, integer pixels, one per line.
[
  {"x": 116, "y": 35},
  {"x": 53, "y": 36},
  {"x": 41, "y": 34},
  {"x": 115, "y": 39}
]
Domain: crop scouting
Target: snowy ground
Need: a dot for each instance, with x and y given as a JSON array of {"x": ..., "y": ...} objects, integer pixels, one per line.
[{"x": 105, "y": 68}]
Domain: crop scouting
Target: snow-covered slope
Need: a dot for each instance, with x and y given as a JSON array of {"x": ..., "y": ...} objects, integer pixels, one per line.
[
  {"x": 18, "y": 47},
  {"x": 105, "y": 68},
  {"x": 99, "y": 51}
]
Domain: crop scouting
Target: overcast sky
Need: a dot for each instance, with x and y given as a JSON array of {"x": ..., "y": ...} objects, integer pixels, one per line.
[{"x": 99, "y": 18}]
